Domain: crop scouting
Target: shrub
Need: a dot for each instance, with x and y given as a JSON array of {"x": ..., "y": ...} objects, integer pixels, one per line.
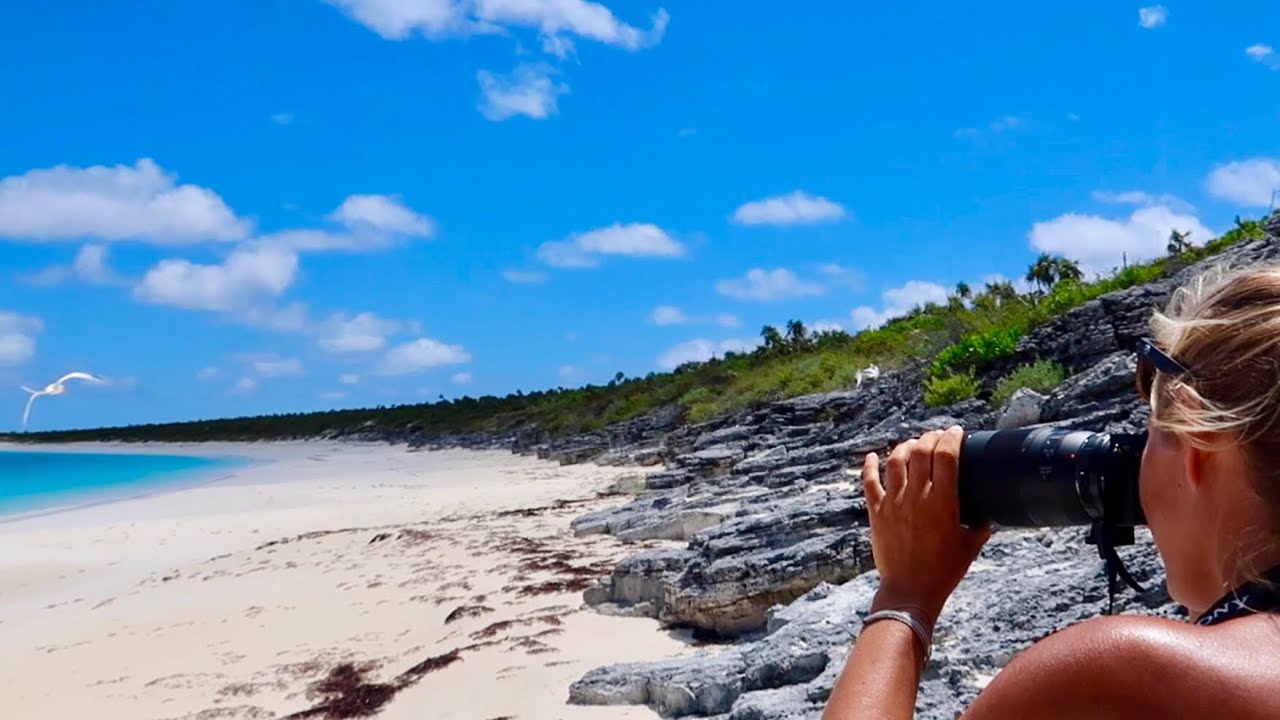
[
  {"x": 950, "y": 389},
  {"x": 1041, "y": 376},
  {"x": 975, "y": 351}
]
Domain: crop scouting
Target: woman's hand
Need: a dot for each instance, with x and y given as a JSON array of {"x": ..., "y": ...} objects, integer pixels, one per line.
[{"x": 920, "y": 548}]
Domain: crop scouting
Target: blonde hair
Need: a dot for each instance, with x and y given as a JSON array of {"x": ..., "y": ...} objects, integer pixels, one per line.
[{"x": 1224, "y": 326}]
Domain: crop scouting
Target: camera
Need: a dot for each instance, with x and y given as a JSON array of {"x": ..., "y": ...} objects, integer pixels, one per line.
[
  {"x": 1055, "y": 477},
  {"x": 1050, "y": 477}
]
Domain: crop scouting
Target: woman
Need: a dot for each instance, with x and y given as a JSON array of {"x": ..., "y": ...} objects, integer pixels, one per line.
[{"x": 1210, "y": 489}]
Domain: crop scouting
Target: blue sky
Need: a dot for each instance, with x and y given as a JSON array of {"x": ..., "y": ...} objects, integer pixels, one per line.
[{"x": 283, "y": 205}]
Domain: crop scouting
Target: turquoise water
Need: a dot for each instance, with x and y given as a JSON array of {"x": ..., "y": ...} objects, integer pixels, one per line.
[{"x": 32, "y": 482}]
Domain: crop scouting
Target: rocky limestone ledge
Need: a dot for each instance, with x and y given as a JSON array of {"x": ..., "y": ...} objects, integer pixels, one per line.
[
  {"x": 1025, "y": 585},
  {"x": 773, "y": 550}
]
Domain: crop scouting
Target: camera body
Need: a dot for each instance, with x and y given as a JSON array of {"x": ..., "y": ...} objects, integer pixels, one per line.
[{"x": 1052, "y": 477}]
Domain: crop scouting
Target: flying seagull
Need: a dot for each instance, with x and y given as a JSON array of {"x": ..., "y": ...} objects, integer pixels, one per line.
[{"x": 56, "y": 388}]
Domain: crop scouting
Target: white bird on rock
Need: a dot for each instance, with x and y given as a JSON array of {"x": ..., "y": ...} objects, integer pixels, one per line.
[
  {"x": 870, "y": 372},
  {"x": 56, "y": 388}
]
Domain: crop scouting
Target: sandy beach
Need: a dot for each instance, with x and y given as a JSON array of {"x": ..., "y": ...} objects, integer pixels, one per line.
[{"x": 320, "y": 578}]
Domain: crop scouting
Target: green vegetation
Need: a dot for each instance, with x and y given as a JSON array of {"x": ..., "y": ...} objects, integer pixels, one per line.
[
  {"x": 1041, "y": 376},
  {"x": 950, "y": 389},
  {"x": 958, "y": 341}
]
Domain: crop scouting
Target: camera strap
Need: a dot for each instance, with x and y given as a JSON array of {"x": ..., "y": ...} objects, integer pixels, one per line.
[{"x": 1115, "y": 567}]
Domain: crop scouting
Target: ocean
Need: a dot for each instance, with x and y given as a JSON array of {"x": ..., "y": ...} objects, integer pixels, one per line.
[{"x": 37, "y": 482}]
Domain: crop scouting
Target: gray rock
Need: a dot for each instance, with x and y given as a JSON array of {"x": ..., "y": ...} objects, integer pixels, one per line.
[
  {"x": 1106, "y": 386},
  {"x": 1023, "y": 409},
  {"x": 1025, "y": 585}
]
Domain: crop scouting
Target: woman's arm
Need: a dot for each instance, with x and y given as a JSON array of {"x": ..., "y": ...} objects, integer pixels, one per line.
[
  {"x": 921, "y": 552},
  {"x": 881, "y": 676}
]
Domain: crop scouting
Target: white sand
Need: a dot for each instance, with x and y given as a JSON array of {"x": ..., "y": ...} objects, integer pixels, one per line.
[{"x": 169, "y": 606}]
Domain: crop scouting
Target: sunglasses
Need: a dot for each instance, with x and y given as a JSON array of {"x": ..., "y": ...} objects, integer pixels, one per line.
[{"x": 1152, "y": 360}]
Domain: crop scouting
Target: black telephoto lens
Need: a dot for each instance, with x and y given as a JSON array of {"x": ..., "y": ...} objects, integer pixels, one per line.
[{"x": 1050, "y": 477}]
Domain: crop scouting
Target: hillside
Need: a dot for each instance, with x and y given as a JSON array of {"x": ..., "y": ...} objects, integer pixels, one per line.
[{"x": 959, "y": 342}]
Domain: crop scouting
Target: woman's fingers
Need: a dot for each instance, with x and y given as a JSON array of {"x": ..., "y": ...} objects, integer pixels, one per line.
[
  {"x": 871, "y": 486},
  {"x": 946, "y": 463},
  {"x": 896, "y": 470},
  {"x": 920, "y": 466}
]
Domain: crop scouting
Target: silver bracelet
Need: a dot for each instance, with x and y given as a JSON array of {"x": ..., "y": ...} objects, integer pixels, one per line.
[{"x": 905, "y": 617}]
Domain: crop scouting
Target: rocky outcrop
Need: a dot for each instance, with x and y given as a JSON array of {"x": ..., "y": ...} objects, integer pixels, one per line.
[
  {"x": 771, "y": 548},
  {"x": 1025, "y": 585}
]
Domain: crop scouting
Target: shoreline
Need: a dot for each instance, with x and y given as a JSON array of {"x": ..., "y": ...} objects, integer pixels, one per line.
[
  {"x": 222, "y": 468},
  {"x": 327, "y": 557}
]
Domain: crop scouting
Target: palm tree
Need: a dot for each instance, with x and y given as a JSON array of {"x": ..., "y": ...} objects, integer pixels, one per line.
[
  {"x": 1180, "y": 242},
  {"x": 963, "y": 291},
  {"x": 1042, "y": 272},
  {"x": 797, "y": 335},
  {"x": 1066, "y": 269},
  {"x": 772, "y": 338}
]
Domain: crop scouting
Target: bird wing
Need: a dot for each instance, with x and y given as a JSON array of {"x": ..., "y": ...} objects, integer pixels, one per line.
[
  {"x": 78, "y": 376},
  {"x": 27, "y": 413}
]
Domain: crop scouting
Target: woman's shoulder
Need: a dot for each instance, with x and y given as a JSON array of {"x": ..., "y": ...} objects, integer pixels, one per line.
[{"x": 1142, "y": 667}]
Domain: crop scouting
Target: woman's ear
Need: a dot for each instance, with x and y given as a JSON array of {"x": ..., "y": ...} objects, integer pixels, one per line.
[{"x": 1195, "y": 464}]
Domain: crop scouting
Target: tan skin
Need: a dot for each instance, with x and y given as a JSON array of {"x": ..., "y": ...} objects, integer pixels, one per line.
[{"x": 1109, "y": 667}]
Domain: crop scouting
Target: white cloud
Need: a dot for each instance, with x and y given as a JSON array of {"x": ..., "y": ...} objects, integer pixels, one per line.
[
  {"x": 332, "y": 395},
  {"x": 422, "y": 354},
  {"x": 384, "y": 213},
  {"x": 631, "y": 240},
  {"x": 1264, "y": 54},
  {"x": 664, "y": 315},
  {"x": 245, "y": 385},
  {"x": 17, "y": 338},
  {"x": 1100, "y": 244},
  {"x": 1153, "y": 17},
  {"x": 362, "y": 333},
  {"x": 248, "y": 275},
  {"x": 89, "y": 266},
  {"x": 272, "y": 365},
  {"x": 841, "y": 275},
  {"x": 826, "y": 326},
  {"x": 290, "y": 318},
  {"x": 209, "y": 373},
  {"x": 898, "y": 301},
  {"x": 141, "y": 202},
  {"x": 766, "y": 285},
  {"x": 1137, "y": 197},
  {"x": 1021, "y": 284},
  {"x": 558, "y": 46},
  {"x": 349, "y": 379},
  {"x": 526, "y": 277},
  {"x": 701, "y": 350},
  {"x": 567, "y": 373},
  {"x": 528, "y": 91},
  {"x": 864, "y": 317},
  {"x": 668, "y": 315},
  {"x": 461, "y": 378},
  {"x": 437, "y": 19},
  {"x": 913, "y": 293},
  {"x": 795, "y": 208},
  {"x": 1248, "y": 183},
  {"x": 999, "y": 126},
  {"x": 370, "y": 222}
]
